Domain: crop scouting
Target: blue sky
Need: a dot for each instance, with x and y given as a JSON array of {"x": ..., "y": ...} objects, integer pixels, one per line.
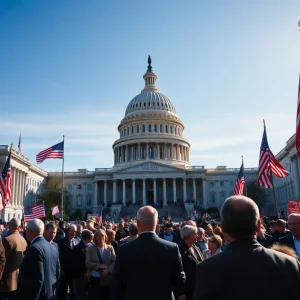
[{"x": 71, "y": 67}]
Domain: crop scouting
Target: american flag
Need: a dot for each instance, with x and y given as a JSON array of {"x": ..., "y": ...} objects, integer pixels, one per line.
[
  {"x": 34, "y": 212},
  {"x": 56, "y": 151},
  {"x": 298, "y": 120},
  {"x": 240, "y": 182},
  {"x": 268, "y": 164},
  {"x": 55, "y": 210},
  {"x": 6, "y": 181},
  {"x": 20, "y": 145}
]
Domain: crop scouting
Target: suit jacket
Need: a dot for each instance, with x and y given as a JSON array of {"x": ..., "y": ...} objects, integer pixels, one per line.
[
  {"x": 189, "y": 262},
  {"x": 148, "y": 268},
  {"x": 92, "y": 261},
  {"x": 245, "y": 270},
  {"x": 39, "y": 272},
  {"x": 67, "y": 256},
  {"x": 80, "y": 254},
  {"x": 287, "y": 240},
  {"x": 15, "y": 246},
  {"x": 2, "y": 258}
]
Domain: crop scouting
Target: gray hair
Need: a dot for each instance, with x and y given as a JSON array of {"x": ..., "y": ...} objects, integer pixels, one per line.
[
  {"x": 294, "y": 215},
  {"x": 201, "y": 229},
  {"x": 73, "y": 226},
  {"x": 187, "y": 231},
  {"x": 36, "y": 225},
  {"x": 147, "y": 215}
]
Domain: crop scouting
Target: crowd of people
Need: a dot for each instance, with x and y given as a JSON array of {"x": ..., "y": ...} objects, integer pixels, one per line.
[{"x": 153, "y": 258}]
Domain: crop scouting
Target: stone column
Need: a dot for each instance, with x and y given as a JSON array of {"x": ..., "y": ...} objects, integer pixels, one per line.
[
  {"x": 144, "y": 191},
  {"x": 172, "y": 151},
  {"x": 114, "y": 191},
  {"x": 184, "y": 189},
  {"x": 166, "y": 151},
  {"x": 132, "y": 152},
  {"x": 147, "y": 151},
  {"x": 139, "y": 151},
  {"x": 96, "y": 195},
  {"x": 133, "y": 191},
  {"x": 194, "y": 189},
  {"x": 18, "y": 187},
  {"x": 174, "y": 191},
  {"x": 165, "y": 191},
  {"x": 124, "y": 192},
  {"x": 21, "y": 188},
  {"x": 127, "y": 153},
  {"x": 178, "y": 152},
  {"x": 204, "y": 192},
  {"x": 154, "y": 191},
  {"x": 105, "y": 193},
  {"x": 158, "y": 151}
]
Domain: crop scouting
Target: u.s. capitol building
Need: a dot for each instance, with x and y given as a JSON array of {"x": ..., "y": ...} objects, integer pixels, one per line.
[{"x": 151, "y": 165}]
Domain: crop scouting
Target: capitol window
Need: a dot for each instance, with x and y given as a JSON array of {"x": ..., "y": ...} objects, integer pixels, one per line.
[
  {"x": 155, "y": 128},
  {"x": 132, "y": 130},
  {"x": 137, "y": 128},
  {"x": 213, "y": 198},
  {"x": 70, "y": 187},
  {"x": 79, "y": 200},
  {"x": 171, "y": 130},
  {"x": 89, "y": 186},
  {"x": 212, "y": 184},
  {"x": 221, "y": 183},
  {"x": 175, "y": 130},
  {"x": 149, "y": 128},
  {"x": 161, "y": 128},
  {"x": 89, "y": 200},
  {"x": 143, "y": 128},
  {"x": 167, "y": 129},
  {"x": 127, "y": 130}
]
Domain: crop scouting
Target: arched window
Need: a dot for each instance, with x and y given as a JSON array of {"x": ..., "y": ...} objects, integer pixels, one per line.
[
  {"x": 127, "y": 130},
  {"x": 171, "y": 129},
  {"x": 132, "y": 130},
  {"x": 175, "y": 130},
  {"x": 149, "y": 128},
  {"x": 79, "y": 200},
  {"x": 155, "y": 128},
  {"x": 137, "y": 128},
  {"x": 124, "y": 132},
  {"x": 88, "y": 199},
  {"x": 151, "y": 152},
  {"x": 144, "y": 128},
  {"x": 160, "y": 128},
  {"x": 167, "y": 129}
]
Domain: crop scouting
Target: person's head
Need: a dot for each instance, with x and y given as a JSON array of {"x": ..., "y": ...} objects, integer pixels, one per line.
[
  {"x": 214, "y": 243},
  {"x": 14, "y": 224},
  {"x": 34, "y": 228},
  {"x": 191, "y": 223},
  {"x": 218, "y": 231},
  {"x": 200, "y": 234},
  {"x": 90, "y": 225},
  {"x": 111, "y": 235},
  {"x": 133, "y": 229},
  {"x": 86, "y": 236},
  {"x": 147, "y": 218},
  {"x": 168, "y": 228},
  {"x": 50, "y": 232},
  {"x": 285, "y": 249},
  {"x": 108, "y": 225},
  {"x": 189, "y": 234},
  {"x": 121, "y": 225},
  {"x": 294, "y": 225},
  {"x": 272, "y": 225},
  {"x": 62, "y": 225},
  {"x": 209, "y": 229},
  {"x": 79, "y": 230},
  {"x": 83, "y": 224},
  {"x": 239, "y": 218},
  {"x": 280, "y": 225},
  {"x": 72, "y": 231},
  {"x": 100, "y": 238}
]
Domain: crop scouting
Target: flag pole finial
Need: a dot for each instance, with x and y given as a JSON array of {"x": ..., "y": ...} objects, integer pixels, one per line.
[{"x": 264, "y": 122}]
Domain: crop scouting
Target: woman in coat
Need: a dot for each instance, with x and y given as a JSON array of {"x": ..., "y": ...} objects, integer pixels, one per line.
[{"x": 100, "y": 260}]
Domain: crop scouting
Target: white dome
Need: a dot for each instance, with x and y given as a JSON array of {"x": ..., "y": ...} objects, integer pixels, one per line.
[{"x": 153, "y": 100}]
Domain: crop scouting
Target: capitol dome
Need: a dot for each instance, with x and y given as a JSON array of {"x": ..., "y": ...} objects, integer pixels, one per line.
[
  {"x": 151, "y": 129},
  {"x": 150, "y": 97}
]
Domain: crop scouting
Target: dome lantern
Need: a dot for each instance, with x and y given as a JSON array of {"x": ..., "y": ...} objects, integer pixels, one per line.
[{"x": 150, "y": 77}]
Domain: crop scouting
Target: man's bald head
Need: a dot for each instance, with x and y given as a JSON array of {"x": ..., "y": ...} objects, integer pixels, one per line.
[
  {"x": 240, "y": 217},
  {"x": 294, "y": 225},
  {"x": 147, "y": 218}
]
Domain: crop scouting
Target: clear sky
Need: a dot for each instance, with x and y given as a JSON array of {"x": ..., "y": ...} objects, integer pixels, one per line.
[{"x": 71, "y": 67}]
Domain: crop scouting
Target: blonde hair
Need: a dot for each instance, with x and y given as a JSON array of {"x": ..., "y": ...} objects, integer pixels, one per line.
[
  {"x": 285, "y": 249},
  {"x": 100, "y": 232},
  {"x": 216, "y": 239}
]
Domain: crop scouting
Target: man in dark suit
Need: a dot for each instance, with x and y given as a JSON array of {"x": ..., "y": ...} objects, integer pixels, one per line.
[
  {"x": 293, "y": 240},
  {"x": 39, "y": 270},
  {"x": 148, "y": 267},
  {"x": 246, "y": 269}
]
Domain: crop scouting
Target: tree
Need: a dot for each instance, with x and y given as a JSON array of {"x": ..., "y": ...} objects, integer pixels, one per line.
[
  {"x": 256, "y": 193},
  {"x": 51, "y": 196}
]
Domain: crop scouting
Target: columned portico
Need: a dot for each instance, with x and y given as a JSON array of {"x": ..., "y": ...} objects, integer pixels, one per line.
[
  {"x": 114, "y": 191},
  {"x": 174, "y": 190},
  {"x": 124, "y": 193},
  {"x": 164, "y": 192},
  {"x": 133, "y": 191},
  {"x": 154, "y": 191},
  {"x": 95, "y": 204},
  {"x": 194, "y": 189},
  {"x": 204, "y": 192},
  {"x": 184, "y": 189}
]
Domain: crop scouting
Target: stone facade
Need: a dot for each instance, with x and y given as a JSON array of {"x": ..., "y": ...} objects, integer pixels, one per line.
[{"x": 26, "y": 180}]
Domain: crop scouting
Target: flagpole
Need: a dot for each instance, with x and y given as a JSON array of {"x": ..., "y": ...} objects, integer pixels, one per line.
[{"x": 62, "y": 182}]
